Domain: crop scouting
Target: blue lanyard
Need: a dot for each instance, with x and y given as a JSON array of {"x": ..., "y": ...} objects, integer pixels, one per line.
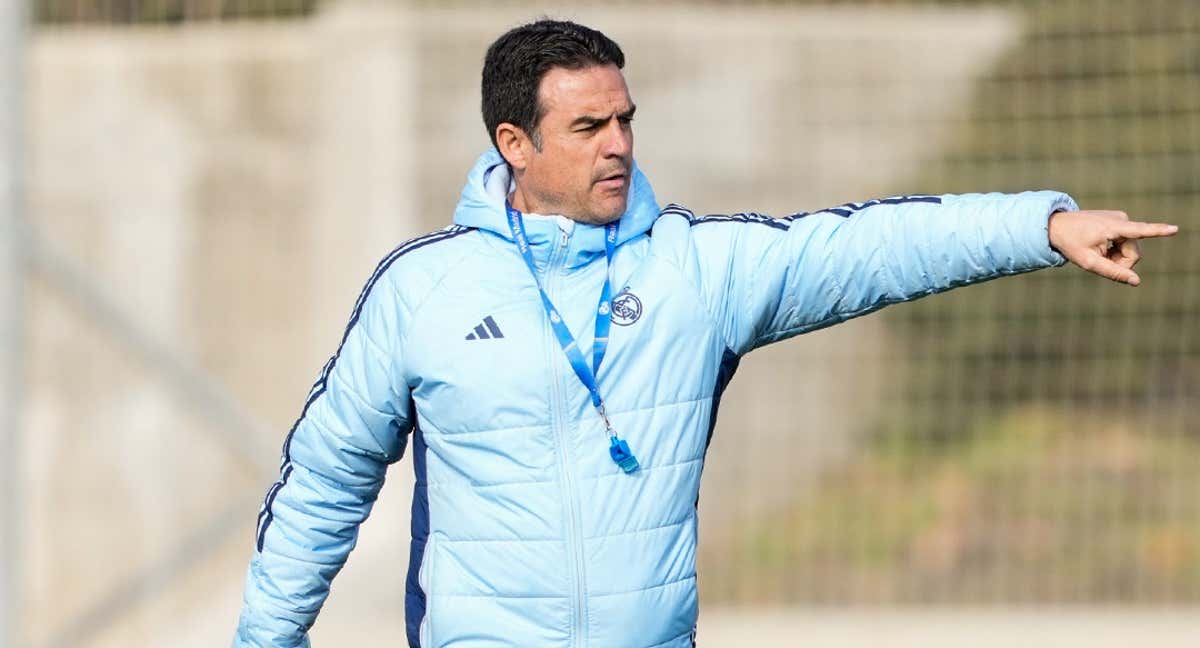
[{"x": 618, "y": 449}]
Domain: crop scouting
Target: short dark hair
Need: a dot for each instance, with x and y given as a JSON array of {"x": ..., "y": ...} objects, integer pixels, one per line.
[{"x": 517, "y": 61}]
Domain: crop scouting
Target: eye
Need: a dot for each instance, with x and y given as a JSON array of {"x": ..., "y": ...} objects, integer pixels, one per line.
[{"x": 625, "y": 120}]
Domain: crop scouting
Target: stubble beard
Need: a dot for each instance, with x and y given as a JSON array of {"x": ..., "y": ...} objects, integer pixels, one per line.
[
  {"x": 604, "y": 218},
  {"x": 580, "y": 212},
  {"x": 597, "y": 219}
]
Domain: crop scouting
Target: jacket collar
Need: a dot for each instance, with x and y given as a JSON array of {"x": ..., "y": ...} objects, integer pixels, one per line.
[{"x": 482, "y": 206}]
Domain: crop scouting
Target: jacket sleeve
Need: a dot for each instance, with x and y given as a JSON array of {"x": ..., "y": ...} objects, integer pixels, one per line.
[
  {"x": 768, "y": 279},
  {"x": 354, "y": 424}
]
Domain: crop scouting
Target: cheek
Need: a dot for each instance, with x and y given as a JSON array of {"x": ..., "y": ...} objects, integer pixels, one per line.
[
  {"x": 548, "y": 172},
  {"x": 568, "y": 167}
]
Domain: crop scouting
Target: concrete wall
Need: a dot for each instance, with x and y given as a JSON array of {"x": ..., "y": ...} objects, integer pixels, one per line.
[{"x": 233, "y": 185}]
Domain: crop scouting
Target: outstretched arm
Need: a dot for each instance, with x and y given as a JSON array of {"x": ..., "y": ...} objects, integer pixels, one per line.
[
  {"x": 767, "y": 279},
  {"x": 355, "y": 422}
]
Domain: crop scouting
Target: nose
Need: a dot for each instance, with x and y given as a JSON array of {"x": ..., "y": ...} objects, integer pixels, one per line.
[{"x": 618, "y": 139}]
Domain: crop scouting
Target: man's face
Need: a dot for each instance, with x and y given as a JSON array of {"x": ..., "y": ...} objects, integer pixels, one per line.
[{"x": 583, "y": 168}]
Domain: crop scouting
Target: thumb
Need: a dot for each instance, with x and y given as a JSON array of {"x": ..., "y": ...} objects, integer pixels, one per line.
[{"x": 1106, "y": 268}]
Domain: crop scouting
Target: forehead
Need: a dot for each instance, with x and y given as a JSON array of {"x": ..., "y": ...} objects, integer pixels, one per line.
[{"x": 596, "y": 90}]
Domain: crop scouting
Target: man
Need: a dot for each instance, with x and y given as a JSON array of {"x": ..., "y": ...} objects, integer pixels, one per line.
[{"x": 556, "y": 357}]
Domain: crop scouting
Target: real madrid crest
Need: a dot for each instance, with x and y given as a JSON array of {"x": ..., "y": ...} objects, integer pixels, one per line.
[{"x": 626, "y": 308}]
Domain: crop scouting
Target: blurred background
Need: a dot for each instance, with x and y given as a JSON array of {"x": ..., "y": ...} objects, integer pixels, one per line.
[{"x": 192, "y": 193}]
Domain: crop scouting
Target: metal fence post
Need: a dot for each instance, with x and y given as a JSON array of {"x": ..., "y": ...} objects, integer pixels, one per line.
[{"x": 13, "y": 36}]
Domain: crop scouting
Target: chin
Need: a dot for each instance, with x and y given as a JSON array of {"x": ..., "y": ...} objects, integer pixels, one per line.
[
  {"x": 605, "y": 210},
  {"x": 604, "y": 218},
  {"x": 610, "y": 212},
  {"x": 597, "y": 219}
]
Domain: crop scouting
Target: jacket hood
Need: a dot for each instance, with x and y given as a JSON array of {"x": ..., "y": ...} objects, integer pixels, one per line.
[{"x": 482, "y": 206}]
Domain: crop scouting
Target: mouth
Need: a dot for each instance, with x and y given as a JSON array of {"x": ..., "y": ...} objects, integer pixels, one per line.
[{"x": 613, "y": 180}]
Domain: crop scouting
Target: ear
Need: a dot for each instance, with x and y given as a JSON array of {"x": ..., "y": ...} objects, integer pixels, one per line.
[{"x": 514, "y": 145}]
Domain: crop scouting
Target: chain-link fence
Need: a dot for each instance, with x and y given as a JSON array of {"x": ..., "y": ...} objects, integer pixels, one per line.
[
  {"x": 1037, "y": 436},
  {"x": 209, "y": 181}
]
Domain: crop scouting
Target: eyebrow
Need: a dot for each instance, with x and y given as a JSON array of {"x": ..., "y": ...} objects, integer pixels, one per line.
[{"x": 590, "y": 120}]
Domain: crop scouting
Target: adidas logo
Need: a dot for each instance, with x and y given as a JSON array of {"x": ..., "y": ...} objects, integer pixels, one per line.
[{"x": 487, "y": 330}]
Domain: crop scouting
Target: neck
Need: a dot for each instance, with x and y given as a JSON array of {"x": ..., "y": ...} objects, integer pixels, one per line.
[{"x": 525, "y": 203}]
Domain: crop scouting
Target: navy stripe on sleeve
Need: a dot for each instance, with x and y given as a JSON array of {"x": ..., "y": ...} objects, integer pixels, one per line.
[
  {"x": 845, "y": 211},
  {"x": 694, "y": 220},
  {"x": 849, "y": 209}
]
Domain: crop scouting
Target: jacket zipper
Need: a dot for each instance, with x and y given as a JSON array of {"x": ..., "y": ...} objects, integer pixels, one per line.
[{"x": 574, "y": 537}]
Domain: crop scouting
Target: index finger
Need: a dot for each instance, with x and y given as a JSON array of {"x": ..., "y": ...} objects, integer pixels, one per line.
[{"x": 1135, "y": 229}]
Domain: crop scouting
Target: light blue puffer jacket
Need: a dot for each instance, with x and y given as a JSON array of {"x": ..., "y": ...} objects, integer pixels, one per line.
[{"x": 524, "y": 532}]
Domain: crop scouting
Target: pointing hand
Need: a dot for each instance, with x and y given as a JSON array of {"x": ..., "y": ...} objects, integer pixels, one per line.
[{"x": 1104, "y": 242}]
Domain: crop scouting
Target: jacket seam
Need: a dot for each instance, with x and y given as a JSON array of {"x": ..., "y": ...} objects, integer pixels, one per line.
[
  {"x": 646, "y": 530},
  {"x": 442, "y": 485},
  {"x": 675, "y": 638},
  {"x": 353, "y": 449},
  {"x": 402, "y": 343},
  {"x": 334, "y": 483},
  {"x": 842, "y": 316},
  {"x": 513, "y": 428},
  {"x": 646, "y": 469},
  {"x": 681, "y": 522},
  {"x": 765, "y": 338},
  {"x": 658, "y": 405},
  {"x": 449, "y": 540},
  {"x": 502, "y": 596},
  {"x": 713, "y": 321},
  {"x": 612, "y": 412},
  {"x": 349, "y": 389},
  {"x": 754, "y": 274},
  {"x": 674, "y": 581}
]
